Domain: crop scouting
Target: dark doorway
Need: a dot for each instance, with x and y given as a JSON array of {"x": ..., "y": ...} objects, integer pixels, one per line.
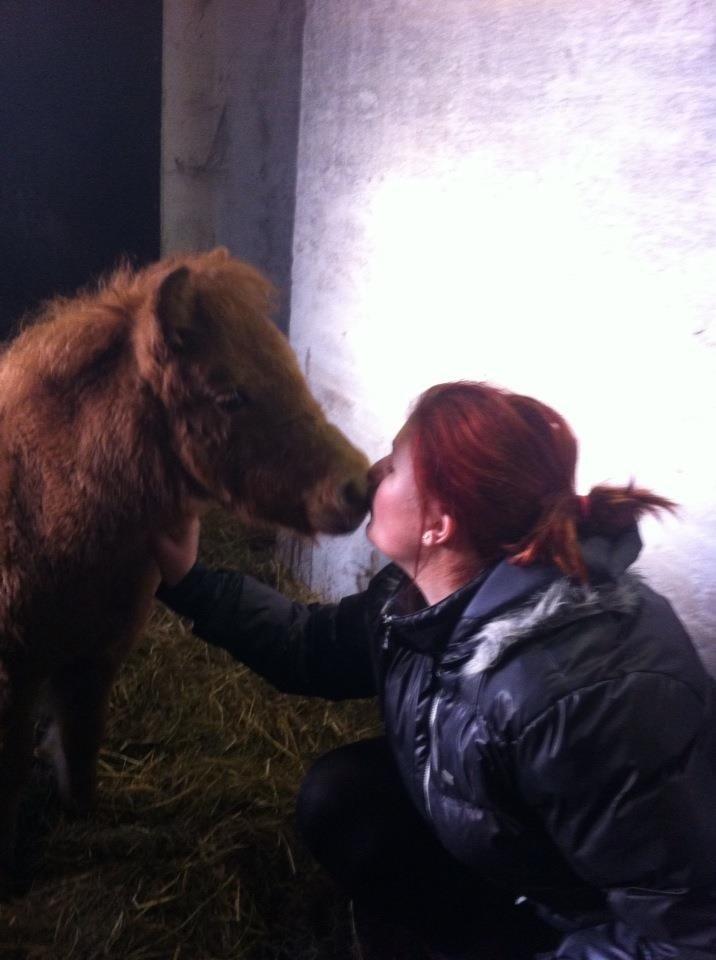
[{"x": 80, "y": 108}]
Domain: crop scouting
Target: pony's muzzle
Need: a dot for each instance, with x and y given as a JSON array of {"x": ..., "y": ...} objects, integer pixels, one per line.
[{"x": 342, "y": 506}]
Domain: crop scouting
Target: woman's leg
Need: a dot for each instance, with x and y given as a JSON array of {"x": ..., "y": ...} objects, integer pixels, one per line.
[{"x": 358, "y": 821}]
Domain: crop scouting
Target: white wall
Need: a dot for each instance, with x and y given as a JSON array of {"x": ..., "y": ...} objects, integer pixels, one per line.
[{"x": 521, "y": 191}]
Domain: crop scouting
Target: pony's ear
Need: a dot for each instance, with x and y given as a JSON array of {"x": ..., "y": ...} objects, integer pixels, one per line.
[{"x": 177, "y": 307}]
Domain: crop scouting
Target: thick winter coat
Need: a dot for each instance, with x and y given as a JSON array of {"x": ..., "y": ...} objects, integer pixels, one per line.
[{"x": 560, "y": 739}]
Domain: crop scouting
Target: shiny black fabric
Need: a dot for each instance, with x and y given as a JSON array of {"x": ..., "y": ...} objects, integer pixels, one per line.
[
  {"x": 358, "y": 822},
  {"x": 577, "y": 768}
]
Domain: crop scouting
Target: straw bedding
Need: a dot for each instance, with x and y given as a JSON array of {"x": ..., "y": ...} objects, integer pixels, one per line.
[{"x": 190, "y": 852}]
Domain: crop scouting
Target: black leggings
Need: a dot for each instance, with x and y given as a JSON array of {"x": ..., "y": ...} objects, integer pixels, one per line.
[{"x": 358, "y": 821}]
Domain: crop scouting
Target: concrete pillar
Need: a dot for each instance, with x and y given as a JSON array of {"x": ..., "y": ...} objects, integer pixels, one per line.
[
  {"x": 193, "y": 126},
  {"x": 232, "y": 74}
]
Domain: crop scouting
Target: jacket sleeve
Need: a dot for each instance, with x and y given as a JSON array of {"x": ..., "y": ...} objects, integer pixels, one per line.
[
  {"x": 623, "y": 776},
  {"x": 311, "y": 649}
]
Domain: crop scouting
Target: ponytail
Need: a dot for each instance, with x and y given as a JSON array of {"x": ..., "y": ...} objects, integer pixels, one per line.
[
  {"x": 503, "y": 466},
  {"x": 605, "y": 510}
]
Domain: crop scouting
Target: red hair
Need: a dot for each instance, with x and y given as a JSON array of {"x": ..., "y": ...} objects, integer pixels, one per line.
[{"x": 503, "y": 466}]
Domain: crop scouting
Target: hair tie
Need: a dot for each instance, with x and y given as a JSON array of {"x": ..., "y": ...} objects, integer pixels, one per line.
[{"x": 584, "y": 505}]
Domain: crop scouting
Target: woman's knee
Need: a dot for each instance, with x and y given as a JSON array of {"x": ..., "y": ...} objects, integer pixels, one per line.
[
  {"x": 316, "y": 797},
  {"x": 346, "y": 810},
  {"x": 338, "y": 786}
]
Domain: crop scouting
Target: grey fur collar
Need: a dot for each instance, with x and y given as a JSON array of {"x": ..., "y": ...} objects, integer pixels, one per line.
[{"x": 561, "y": 603}]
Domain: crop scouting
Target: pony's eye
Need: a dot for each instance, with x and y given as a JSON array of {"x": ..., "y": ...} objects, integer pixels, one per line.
[{"x": 233, "y": 400}]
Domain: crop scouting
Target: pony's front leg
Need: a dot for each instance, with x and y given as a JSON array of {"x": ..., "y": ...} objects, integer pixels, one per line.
[
  {"x": 79, "y": 693},
  {"x": 17, "y": 699}
]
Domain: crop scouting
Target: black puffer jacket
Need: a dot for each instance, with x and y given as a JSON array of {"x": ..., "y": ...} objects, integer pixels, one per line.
[{"x": 560, "y": 739}]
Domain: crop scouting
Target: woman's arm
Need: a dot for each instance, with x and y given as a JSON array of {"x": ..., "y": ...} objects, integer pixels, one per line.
[{"x": 312, "y": 649}]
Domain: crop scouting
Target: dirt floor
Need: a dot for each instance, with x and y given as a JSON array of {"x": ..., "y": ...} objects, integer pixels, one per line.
[{"x": 190, "y": 852}]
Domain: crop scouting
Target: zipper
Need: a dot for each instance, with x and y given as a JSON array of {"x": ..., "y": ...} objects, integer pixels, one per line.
[
  {"x": 388, "y": 624},
  {"x": 428, "y": 763},
  {"x": 385, "y": 648}
]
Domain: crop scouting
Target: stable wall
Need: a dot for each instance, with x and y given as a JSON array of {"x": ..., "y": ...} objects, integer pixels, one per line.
[
  {"x": 231, "y": 94},
  {"x": 520, "y": 191}
]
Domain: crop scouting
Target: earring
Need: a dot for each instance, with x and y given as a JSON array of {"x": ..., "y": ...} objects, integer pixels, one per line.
[{"x": 427, "y": 538}]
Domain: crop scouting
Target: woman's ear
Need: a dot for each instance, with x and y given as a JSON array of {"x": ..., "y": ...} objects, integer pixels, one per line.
[{"x": 441, "y": 530}]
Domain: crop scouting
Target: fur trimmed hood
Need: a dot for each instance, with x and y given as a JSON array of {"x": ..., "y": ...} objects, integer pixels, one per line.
[
  {"x": 561, "y": 603},
  {"x": 472, "y": 628}
]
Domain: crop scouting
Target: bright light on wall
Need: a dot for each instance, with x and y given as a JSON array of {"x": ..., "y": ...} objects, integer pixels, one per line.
[
  {"x": 480, "y": 274},
  {"x": 522, "y": 193}
]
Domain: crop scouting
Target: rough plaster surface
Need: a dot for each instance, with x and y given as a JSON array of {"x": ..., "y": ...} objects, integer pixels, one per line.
[
  {"x": 230, "y": 130},
  {"x": 520, "y": 191}
]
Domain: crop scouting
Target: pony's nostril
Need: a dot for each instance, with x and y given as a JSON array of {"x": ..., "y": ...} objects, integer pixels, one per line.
[{"x": 354, "y": 494}]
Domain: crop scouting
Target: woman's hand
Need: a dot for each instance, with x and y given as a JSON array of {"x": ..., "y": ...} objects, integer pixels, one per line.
[{"x": 175, "y": 550}]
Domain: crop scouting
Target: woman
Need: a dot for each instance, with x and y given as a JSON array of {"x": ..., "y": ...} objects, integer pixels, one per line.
[{"x": 547, "y": 777}]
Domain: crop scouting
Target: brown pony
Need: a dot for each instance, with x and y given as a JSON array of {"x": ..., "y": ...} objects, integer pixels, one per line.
[{"x": 117, "y": 408}]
